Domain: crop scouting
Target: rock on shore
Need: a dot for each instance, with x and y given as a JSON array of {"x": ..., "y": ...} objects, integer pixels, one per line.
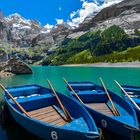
[{"x": 15, "y": 66}]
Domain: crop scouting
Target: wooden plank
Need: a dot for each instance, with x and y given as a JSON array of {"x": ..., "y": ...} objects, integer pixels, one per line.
[
  {"x": 40, "y": 110},
  {"x": 50, "y": 115},
  {"x": 57, "y": 120},
  {"x": 42, "y": 113},
  {"x": 54, "y": 121},
  {"x": 61, "y": 123},
  {"x": 101, "y": 107},
  {"x": 50, "y": 118},
  {"x": 46, "y": 115},
  {"x": 98, "y": 105}
]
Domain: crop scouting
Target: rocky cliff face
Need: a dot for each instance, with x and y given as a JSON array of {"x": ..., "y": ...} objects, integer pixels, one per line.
[
  {"x": 21, "y": 31},
  {"x": 3, "y": 56},
  {"x": 28, "y": 39},
  {"x": 125, "y": 14},
  {"x": 24, "y": 33}
]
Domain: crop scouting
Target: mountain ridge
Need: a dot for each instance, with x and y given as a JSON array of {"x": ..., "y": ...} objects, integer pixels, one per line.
[
  {"x": 27, "y": 38},
  {"x": 126, "y": 7}
]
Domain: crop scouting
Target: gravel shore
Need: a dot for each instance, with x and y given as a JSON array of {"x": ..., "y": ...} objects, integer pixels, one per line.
[{"x": 121, "y": 64}]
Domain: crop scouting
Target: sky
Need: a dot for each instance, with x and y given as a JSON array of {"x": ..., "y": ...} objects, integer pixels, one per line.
[
  {"x": 51, "y": 12},
  {"x": 45, "y": 11}
]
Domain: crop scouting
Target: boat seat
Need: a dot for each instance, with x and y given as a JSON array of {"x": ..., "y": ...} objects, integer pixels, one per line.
[
  {"x": 90, "y": 92},
  {"x": 82, "y": 86},
  {"x": 137, "y": 100},
  {"x": 49, "y": 115},
  {"x": 33, "y": 97},
  {"x": 23, "y": 91},
  {"x": 23, "y": 88},
  {"x": 101, "y": 107}
]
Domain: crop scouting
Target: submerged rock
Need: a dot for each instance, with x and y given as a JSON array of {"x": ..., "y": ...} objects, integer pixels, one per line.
[{"x": 16, "y": 66}]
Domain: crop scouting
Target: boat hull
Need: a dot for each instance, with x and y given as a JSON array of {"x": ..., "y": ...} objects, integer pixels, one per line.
[
  {"x": 112, "y": 124},
  {"x": 49, "y": 132}
]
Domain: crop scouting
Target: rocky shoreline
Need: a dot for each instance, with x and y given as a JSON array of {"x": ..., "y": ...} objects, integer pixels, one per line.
[
  {"x": 14, "y": 66},
  {"x": 6, "y": 74}
]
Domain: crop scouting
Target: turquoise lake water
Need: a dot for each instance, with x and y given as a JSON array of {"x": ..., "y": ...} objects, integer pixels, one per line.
[{"x": 54, "y": 74}]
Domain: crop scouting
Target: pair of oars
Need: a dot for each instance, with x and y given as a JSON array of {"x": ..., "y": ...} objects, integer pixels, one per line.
[
  {"x": 115, "y": 110},
  {"x": 67, "y": 115}
]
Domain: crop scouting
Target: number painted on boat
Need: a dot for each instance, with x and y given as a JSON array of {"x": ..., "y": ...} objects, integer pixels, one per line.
[
  {"x": 104, "y": 123},
  {"x": 54, "y": 135}
]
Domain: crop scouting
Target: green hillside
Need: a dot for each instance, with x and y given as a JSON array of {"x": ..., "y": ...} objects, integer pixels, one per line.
[
  {"x": 110, "y": 45},
  {"x": 129, "y": 55}
]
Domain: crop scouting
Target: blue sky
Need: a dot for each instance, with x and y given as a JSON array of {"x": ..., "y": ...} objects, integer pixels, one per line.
[
  {"x": 51, "y": 12},
  {"x": 45, "y": 11}
]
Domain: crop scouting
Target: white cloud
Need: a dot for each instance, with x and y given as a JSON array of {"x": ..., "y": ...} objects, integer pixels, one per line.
[
  {"x": 73, "y": 14},
  {"x": 59, "y": 21},
  {"x": 88, "y": 9}
]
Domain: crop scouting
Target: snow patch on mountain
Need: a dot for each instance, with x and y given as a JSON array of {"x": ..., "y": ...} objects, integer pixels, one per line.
[
  {"x": 19, "y": 22},
  {"x": 47, "y": 28}
]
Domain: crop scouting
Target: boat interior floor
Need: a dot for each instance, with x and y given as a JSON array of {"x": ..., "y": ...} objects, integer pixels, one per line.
[
  {"x": 49, "y": 115},
  {"x": 101, "y": 107}
]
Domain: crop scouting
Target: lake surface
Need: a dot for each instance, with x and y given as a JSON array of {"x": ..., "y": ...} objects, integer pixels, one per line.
[{"x": 54, "y": 74}]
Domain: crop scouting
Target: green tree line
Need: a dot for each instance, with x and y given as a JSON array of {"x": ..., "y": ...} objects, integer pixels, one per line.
[{"x": 110, "y": 45}]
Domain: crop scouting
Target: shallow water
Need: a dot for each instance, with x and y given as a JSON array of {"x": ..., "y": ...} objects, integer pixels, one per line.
[{"x": 13, "y": 131}]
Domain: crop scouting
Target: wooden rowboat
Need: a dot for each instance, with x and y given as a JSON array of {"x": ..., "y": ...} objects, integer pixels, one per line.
[
  {"x": 46, "y": 118},
  {"x": 134, "y": 93},
  {"x": 99, "y": 106}
]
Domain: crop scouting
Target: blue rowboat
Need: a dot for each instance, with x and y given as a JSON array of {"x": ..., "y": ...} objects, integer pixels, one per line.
[
  {"x": 134, "y": 93},
  {"x": 98, "y": 105},
  {"x": 46, "y": 118}
]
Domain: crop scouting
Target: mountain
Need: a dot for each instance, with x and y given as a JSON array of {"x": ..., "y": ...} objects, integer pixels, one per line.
[
  {"x": 25, "y": 38},
  {"x": 33, "y": 43},
  {"x": 23, "y": 31},
  {"x": 126, "y": 14}
]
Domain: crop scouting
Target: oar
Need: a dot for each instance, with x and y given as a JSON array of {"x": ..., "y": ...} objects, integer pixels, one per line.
[
  {"x": 115, "y": 110},
  {"x": 72, "y": 90},
  {"x": 21, "y": 108},
  {"x": 69, "y": 119},
  {"x": 128, "y": 95}
]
